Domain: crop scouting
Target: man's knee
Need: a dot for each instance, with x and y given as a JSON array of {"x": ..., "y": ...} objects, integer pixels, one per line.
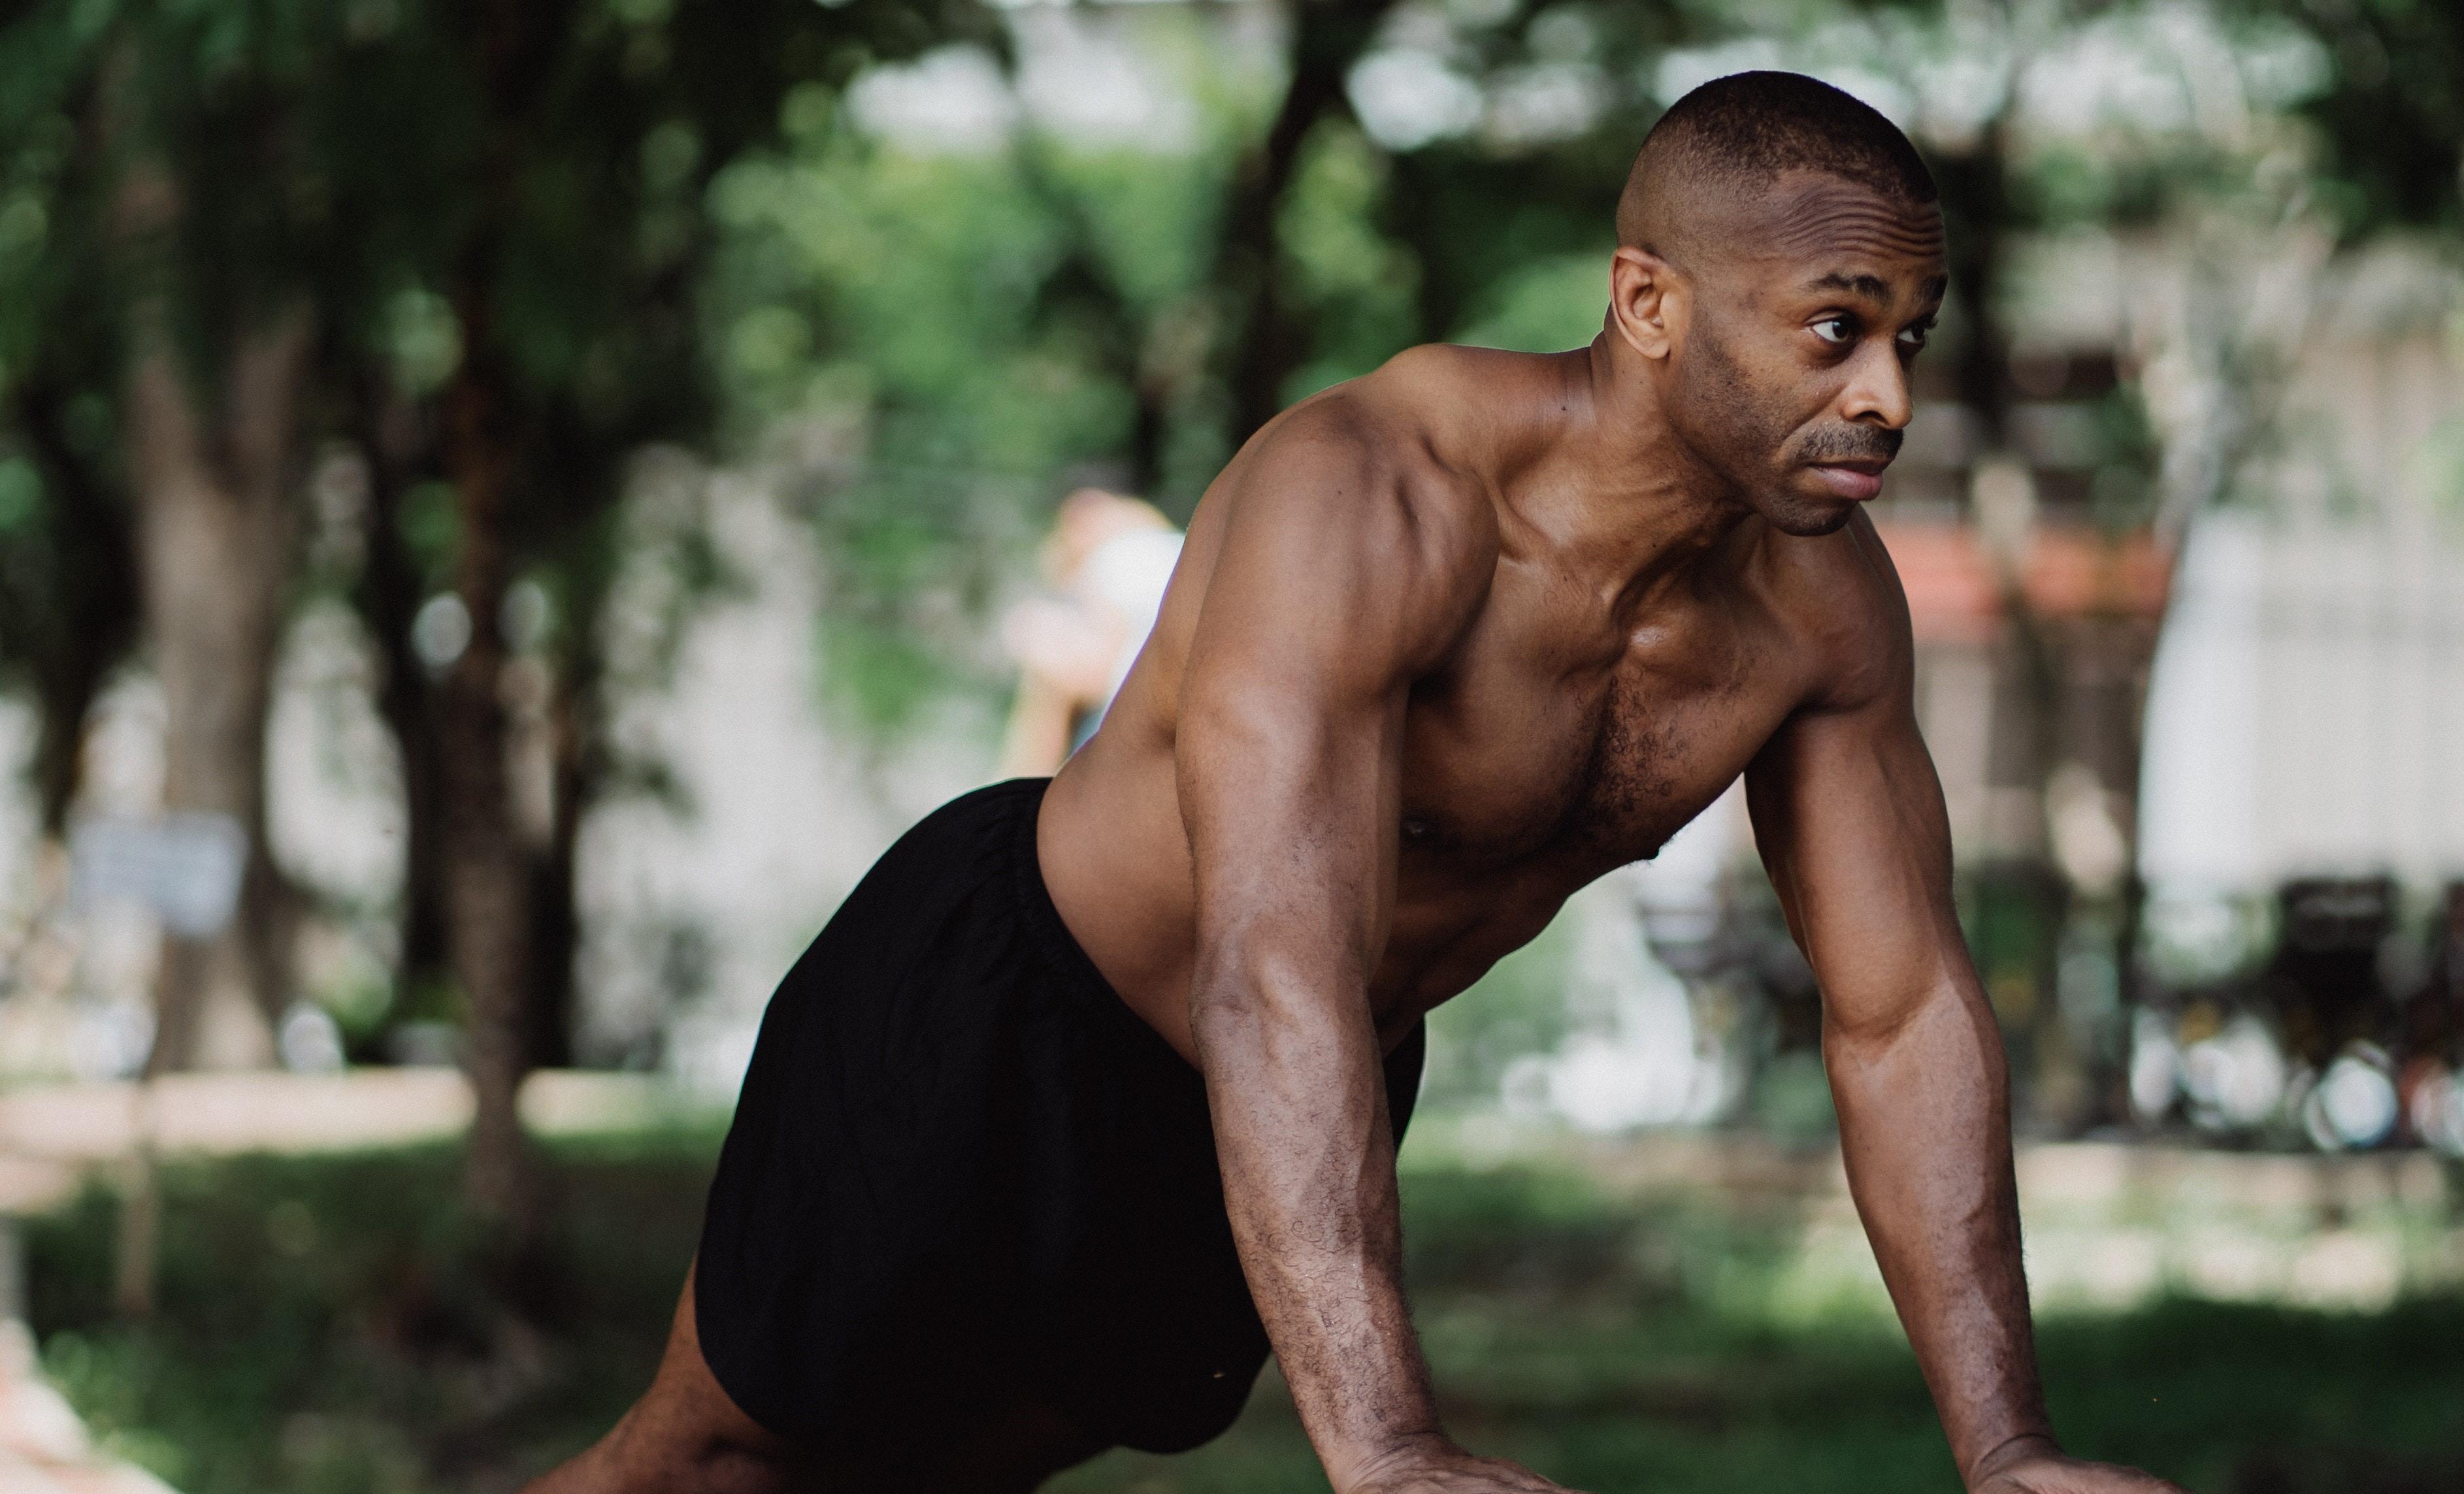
[
  {"x": 684, "y": 1436},
  {"x": 710, "y": 1464},
  {"x": 653, "y": 1450}
]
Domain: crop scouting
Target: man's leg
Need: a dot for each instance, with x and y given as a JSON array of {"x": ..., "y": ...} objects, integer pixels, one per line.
[
  {"x": 683, "y": 1436},
  {"x": 686, "y": 1436}
]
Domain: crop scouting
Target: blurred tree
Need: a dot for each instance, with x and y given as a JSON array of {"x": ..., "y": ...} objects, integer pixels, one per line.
[
  {"x": 466, "y": 232},
  {"x": 162, "y": 213},
  {"x": 1452, "y": 216},
  {"x": 68, "y": 584},
  {"x": 396, "y": 440},
  {"x": 961, "y": 329},
  {"x": 1327, "y": 39},
  {"x": 925, "y": 344},
  {"x": 530, "y": 227},
  {"x": 2392, "y": 119}
]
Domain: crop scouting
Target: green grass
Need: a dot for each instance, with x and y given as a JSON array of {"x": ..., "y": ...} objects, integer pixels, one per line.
[{"x": 333, "y": 1325}]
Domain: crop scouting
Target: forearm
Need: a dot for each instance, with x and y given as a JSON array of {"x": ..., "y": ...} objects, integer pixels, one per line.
[
  {"x": 1924, "y": 1126},
  {"x": 1307, "y": 1156}
]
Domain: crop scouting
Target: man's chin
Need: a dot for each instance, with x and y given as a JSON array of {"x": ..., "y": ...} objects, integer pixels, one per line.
[{"x": 1806, "y": 517}]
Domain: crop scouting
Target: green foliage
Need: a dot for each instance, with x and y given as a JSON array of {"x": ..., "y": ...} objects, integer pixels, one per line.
[
  {"x": 509, "y": 195},
  {"x": 965, "y": 331},
  {"x": 338, "y": 1324},
  {"x": 334, "y": 1323},
  {"x": 1517, "y": 1007},
  {"x": 1356, "y": 287},
  {"x": 1544, "y": 308},
  {"x": 21, "y": 494},
  {"x": 1792, "y": 1098},
  {"x": 2392, "y": 119},
  {"x": 973, "y": 332},
  {"x": 1615, "y": 1344}
]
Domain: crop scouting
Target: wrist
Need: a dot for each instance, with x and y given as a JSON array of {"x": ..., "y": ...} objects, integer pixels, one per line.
[
  {"x": 2008, "y": 1452},
  {"x": 1363, "y": 1464}
]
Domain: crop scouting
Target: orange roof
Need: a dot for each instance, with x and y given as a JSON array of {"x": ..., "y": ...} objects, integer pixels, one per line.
[{"x": 1955, "y": 595}]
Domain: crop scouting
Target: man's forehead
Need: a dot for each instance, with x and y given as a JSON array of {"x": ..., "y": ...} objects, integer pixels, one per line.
[{"x": 1820, "y": 230}]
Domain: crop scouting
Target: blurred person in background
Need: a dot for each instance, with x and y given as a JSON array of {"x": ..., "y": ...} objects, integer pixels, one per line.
[
  {"x": 1088, "y": 1097},
  {"x": 1106, "y": 561}
]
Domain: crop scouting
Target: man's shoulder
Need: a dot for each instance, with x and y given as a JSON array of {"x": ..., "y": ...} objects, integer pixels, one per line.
[
  {"x": 1387, "y": 449},
  {"x": 1449, "y": 376},
  {"x": 1840, "y": 599},
  {"x": 1424, "y": 396}
]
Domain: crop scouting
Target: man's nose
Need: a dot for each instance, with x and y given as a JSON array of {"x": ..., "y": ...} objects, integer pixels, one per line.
[{"x": 1878, "y": 389}]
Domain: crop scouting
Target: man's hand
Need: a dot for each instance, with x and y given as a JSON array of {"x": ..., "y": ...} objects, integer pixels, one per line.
[
  {"x": 1435, "y": 1465},
  {"x": 2034, "y": 1465}
]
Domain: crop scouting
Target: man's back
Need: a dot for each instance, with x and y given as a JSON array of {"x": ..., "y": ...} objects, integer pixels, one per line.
[{"x": 1602, "y": 668}]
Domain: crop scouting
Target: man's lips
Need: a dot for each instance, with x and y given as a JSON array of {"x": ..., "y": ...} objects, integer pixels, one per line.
[{"x": 1856, "y": 480}]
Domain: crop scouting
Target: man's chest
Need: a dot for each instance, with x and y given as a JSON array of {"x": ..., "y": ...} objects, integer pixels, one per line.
[{"x": 1593, "y": 753}]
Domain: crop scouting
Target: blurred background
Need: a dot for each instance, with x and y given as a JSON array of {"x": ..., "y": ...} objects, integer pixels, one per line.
[{"x": 506, "y": 508}]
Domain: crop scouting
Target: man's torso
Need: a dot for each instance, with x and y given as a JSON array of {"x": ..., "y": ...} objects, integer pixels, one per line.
[{"x": 1575, "y": 724}]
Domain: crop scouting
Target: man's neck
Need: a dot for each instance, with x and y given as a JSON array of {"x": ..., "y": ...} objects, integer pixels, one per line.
[{"x": 1621, "y": 499}]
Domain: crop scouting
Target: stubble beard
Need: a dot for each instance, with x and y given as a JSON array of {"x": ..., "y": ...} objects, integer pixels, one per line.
[{"x": 1741, "y": 431}]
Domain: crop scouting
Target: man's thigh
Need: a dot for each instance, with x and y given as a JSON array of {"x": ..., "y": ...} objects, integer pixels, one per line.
[{"x": 686, "y": 1435}]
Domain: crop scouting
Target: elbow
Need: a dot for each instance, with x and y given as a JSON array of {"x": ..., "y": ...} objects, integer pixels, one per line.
[
  {"x": 1866, "y": 1039},
  {"x": 1253, "y": 1000},
  {"x": 1864, "y": 1030},
  {"x": 1224, "y": 1004}
]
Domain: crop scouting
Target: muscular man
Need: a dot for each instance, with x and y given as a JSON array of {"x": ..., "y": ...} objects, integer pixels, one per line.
[{"x": 1088, "y": 1096}]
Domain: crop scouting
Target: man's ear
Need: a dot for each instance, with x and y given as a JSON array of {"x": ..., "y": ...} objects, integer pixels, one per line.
[{"x": 1647, "y": 302}]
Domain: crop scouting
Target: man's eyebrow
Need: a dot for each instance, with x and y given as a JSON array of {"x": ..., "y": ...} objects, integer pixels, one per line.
[
  {"x": 1868, "y": 286},
  {"x": 1874, "y": 288}
]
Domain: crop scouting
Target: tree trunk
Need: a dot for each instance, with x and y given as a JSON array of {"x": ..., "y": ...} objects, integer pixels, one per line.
[
  {"x": 93, "y": 594},
  {"x": 389, "y": 593},
  {"x": 486, "y": 872},
  {"x": 556, "y": 932},
  {"x": 486, "y": 868},
  {"x": 217, "y": 537},
  {"x": 1327, "y": 36},
  {"x": 1976, "y": 196},
  {"x": 1415, "y": 210},
  {"x": 578, "y": 763}
]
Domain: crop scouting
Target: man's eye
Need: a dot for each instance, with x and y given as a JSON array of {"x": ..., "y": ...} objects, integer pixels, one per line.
[
  {"x": 1835, "y": 329},
  {"x": 1914, "y": 337}
]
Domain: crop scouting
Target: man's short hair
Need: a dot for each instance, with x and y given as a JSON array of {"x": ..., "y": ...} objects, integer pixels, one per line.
[{"x": 1742, "y": 131}]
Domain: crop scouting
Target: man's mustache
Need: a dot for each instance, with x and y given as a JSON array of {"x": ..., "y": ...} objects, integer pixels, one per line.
[{"x": 1850, "y": 444}]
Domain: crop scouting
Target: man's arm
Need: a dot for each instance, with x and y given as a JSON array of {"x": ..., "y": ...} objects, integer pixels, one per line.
[
  {"x": 1848, "y": 815},
  {"x": 1333, "y": 588}
]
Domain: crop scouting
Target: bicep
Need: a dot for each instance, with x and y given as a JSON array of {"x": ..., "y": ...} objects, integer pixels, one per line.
[
  {"x": 1848, "y": 814},
  {"x": 1325, "y": 598}
]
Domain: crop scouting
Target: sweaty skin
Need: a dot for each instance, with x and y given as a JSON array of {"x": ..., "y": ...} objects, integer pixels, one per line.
[{"x": 1452, "y": 640}]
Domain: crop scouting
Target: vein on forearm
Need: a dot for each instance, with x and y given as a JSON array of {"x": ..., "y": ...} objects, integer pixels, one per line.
[
  {"x": 1923, "y": 1126},
  {"x": 1308, "y": 1156}
]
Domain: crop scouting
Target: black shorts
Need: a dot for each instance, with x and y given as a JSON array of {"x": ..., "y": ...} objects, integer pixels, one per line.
[{"x": 963, "y": 1175}]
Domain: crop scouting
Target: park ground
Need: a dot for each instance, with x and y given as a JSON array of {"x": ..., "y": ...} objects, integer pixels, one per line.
[{"x": 332, "y": 1323}]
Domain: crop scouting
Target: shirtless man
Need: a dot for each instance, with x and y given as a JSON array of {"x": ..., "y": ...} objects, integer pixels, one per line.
[{"x": 1447, "y": 643}]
